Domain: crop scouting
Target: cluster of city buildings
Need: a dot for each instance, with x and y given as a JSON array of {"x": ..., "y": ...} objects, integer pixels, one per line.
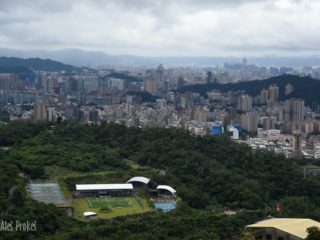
[{"x": 262, "y": 121}]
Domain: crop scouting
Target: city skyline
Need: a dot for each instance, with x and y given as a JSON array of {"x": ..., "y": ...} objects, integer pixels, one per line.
[{"x": 164, "y": 28}]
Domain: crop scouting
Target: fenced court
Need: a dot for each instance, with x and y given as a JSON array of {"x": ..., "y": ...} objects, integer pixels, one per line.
[
  {"x": 47, "y": 192},
  {"x": 108, "y": 203}
]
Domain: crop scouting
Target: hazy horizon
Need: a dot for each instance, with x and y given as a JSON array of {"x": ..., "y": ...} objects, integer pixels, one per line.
[
  {"x": 80, "y": 57},
  {"x": 161, "y": 56}
]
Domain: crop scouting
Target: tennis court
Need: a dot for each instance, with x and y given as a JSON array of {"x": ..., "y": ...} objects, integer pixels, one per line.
[{"x": 47, "y": 193}]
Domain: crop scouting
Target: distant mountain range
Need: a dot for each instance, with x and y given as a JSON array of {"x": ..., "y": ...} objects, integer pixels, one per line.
[
  {"x": 79, "y": 57},
  {"x": 303, "y": 87},
  {"x": 20, "y": 65}
]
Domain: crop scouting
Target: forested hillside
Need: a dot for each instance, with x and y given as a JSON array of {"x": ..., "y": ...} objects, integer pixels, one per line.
[
  {"x": 18, "y": 65},
  {"x": 209, "y": 173},
  {"x": 123, "y": 76},
  {"x": 304, "y": 87}
]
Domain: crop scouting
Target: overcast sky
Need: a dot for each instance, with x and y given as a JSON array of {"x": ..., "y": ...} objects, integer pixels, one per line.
[{"x": 164, "y": 27}]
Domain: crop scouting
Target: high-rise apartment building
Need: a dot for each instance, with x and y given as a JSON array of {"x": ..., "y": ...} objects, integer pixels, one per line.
[
  {"x": 264, "y": 96},
  {"x": 160, "y": 74},
  {"x": 268, "y": 123},
  {"x": 249, "y": 121},
  {"x": 72, "y": 85},
  {"x": 245, "y": 103},
  {"x": 150, "y": 86},
  {"x": 50, "y": 113},
  {"x": 9, "y": 81},
  {"x": 273, "y": 92},
  {"x": 223, "y": 77},
  {"x": 40, "y": 111},
  {"x": 116, "y": 83},
  {"x": 200, "y": 115},
  {"x": 294, "y": 110},
  {"x": 293, "y": 114}
]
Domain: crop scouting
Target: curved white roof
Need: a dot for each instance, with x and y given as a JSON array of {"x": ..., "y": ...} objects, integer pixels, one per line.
[
  {"x": 166, "y": 187},
  {"x": 88, "y": 214},
  {"x": 139, "y": 179}
]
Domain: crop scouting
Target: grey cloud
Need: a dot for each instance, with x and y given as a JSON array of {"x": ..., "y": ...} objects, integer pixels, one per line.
[
  {"x": 36, "y": 5},
  {"x": 162, "y": 27},
  {"x": 63, "y": 5},
  {"x": 287, "y": 47},
  {"x": 193, "y": 3}
]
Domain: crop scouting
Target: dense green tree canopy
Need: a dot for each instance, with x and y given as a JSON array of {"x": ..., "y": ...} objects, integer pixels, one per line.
[
  {"x": 209, "y": 173},
  {"x": 313, "y": 233}
]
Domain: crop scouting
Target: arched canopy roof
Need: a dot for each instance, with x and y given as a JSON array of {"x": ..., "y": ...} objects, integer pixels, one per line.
[
  {"x": 166, "y": 187},
  {"x": 139, "y": 179}
]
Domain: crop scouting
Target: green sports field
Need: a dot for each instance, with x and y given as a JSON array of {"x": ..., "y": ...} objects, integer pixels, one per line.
[
  {"x": 119, "y": 206},
  {"x": 108, "y": 203}
]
